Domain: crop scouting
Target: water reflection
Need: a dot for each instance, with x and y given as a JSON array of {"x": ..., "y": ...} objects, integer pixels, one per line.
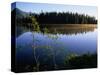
[
  {"x": 75, "y": 41},
  {"x": 72, "y": 30}
]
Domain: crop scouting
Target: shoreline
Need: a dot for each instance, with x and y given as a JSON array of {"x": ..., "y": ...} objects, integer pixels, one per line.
[{"x": 70, "y": 25}]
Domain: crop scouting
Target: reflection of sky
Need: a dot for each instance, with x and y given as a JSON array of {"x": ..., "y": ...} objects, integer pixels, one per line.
[
  {"x": 86, "y": 42},
  {"x": 63, "y": 45},
  {"x": 38, "y": 7},
  {"x": 81, "y": 43}
]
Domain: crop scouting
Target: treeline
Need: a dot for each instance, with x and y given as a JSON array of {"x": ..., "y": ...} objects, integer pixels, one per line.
[
  {"x": 63, "y": 18},
  {"x": 52, "y": 18}
]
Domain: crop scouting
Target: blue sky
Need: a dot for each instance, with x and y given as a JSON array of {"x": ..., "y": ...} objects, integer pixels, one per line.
[{"x": 38, "y": 7}]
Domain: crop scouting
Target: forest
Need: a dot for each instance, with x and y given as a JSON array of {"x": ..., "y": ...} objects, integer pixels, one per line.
[
  {"x": 64, "y": 18},
  {"x": 53, "y": 17}
]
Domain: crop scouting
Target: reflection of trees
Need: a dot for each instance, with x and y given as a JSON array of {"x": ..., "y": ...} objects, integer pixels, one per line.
[
  {"x": 75, "y": 31},
  {"x": 71, "y": 30}
]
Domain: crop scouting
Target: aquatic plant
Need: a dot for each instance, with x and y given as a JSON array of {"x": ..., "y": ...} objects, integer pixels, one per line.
[
  {"x": 81, "y": 61},
  {"x": 48, "y": 48},
  {"x": 46, "y": 30},
  {"x": 36, "y": 28}
]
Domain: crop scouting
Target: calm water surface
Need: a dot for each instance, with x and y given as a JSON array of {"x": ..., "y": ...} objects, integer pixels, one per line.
[{"x": 61, "y": 45}]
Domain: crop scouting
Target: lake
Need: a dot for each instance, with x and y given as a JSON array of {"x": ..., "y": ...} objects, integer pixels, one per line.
[{"x": 73, "y": 40}]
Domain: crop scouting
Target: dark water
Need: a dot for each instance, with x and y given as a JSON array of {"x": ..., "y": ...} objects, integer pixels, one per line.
[{"x": 58, "y": 45}]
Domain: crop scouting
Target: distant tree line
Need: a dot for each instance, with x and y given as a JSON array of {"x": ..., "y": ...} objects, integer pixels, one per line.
[
  {"x": 64, "y": 18},
  {"x": 50, "y": 18}
]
